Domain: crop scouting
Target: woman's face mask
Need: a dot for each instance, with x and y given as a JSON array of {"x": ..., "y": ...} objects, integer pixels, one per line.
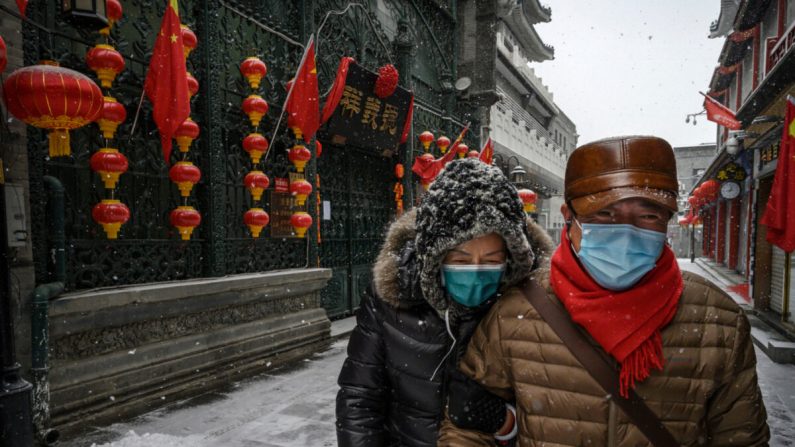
[
  {"x": 471, "y": 272},
  {"x": 472, "y": 285}
]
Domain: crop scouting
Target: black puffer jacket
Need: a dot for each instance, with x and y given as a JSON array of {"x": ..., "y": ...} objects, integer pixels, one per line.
[{"x": 387, "y": 397}]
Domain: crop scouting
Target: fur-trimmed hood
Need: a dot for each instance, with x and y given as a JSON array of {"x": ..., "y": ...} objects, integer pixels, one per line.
[{"x": 397, "y": 256}]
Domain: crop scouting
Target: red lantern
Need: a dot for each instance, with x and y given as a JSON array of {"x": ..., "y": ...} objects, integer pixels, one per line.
[
  {"x": 256, "y": 219},
  {"x": 111, "y": 214},
  {"x": 301, "y": 190},
  {"x": 106, "y": 62},
  {"x": 189, "y": 40},
  {"x": 256, "y": 145},
  {"x": 185, "y": 134},
  {"x": 256, "y": 182},
  {"x": 693, "y": 201},
  {"x": 185, "y": 174},
  {"x": 473, "y": 154},
  {"x": 113, "y": 113},
  {"x": 462, "y": 150},
  {"x": 253, "y": 69},
  {"x": 298, "y": 156},
  {"x": 185, "y": 218},
  {"x": 443, "y": 143},
  {"x": 3, "y": 55},
  {"x": 255, "y": 107},
  {"x": 109, "y": 163},
  {"x": 113, "y": 11},
  {"x": 301, "y": 221},
  {"x": 193, "y": 86},
  {"x": 55, "y": 98},
  {"x": 387, "y": 81},
  {"x": 426, "y": 138},
  {"x": 399, "y": 171},
  {"x": 529, "y": 199},
  {"x": 710, "y": 190}
]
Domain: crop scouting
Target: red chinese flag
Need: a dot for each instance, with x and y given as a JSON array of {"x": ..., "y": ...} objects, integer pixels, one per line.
[
  {"x": 22, "y": 5},
  {"x": 337, "y": 88},
  {"x": 718, "y": 113},
  {"x": 303, "y": 104},
  {"x": 487, "y": 152},
  {"x": 780, "y": 211},
  {"x": 428, "y": 169},
  {"x": 407, "y": 124},
  {"x": 167, "y": 80}
]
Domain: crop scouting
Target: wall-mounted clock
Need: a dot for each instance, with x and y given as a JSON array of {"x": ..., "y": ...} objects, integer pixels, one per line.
[{"x": 730, "y": 190}]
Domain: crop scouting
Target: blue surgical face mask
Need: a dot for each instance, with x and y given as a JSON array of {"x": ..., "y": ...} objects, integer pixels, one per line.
[
  {"x": 618, "y": 256},
  {"x": 472, "y": 285}
]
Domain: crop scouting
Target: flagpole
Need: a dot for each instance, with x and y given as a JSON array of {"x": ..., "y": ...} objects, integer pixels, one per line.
[{"x": 289, "y": 94}]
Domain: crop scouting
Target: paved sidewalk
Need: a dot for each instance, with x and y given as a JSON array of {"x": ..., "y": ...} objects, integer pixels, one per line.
[{"x": 294, "y": 406}]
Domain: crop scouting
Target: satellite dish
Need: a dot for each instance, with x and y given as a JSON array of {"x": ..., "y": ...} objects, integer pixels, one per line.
[{"x": 463, "y": 83}]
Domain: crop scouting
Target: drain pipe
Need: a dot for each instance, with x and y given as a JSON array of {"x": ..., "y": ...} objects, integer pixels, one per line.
[{"x": 41, "y": 297}]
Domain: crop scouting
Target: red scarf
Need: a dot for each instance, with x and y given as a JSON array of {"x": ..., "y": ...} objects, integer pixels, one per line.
[{"x": 627, "y": 323}]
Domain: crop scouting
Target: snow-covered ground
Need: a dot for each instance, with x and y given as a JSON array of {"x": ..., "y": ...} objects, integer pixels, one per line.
[{"x": 294, "y": 406}]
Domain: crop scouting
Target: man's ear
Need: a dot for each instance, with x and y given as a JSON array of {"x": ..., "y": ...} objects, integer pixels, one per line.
[{"x": 567, "y": 214}]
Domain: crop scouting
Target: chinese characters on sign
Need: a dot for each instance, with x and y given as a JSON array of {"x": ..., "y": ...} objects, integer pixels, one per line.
[
  {"x": 365, "y": 120},
  {"x": 731, "y": 171}
]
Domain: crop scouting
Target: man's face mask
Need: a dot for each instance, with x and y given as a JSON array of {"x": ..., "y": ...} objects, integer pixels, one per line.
[
  {"x": 617, "y": 256},
  {"x": 472, "y": 285}
]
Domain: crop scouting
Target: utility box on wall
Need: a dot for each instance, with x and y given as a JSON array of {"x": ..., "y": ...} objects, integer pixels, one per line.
[{"x": 16, "y": 219}]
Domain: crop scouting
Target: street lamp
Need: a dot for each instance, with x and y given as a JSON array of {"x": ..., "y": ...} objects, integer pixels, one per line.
[{"x": 518, "y": 174}]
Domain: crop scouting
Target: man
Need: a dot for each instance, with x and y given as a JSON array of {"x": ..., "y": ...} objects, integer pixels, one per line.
[{"x": 674, "y": 340}]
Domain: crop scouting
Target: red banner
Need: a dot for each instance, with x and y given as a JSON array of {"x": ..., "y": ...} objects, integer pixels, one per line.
[
  {"x": 780, "y": 210},
  {"x": 718, "y": 113}
]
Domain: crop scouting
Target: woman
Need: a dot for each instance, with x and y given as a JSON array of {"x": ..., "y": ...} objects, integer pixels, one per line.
[{"x": 438, "y": 273}]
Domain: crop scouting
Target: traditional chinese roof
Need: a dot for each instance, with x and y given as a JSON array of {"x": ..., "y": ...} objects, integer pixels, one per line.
[
  {"x": 750, "y": 14},
  {"x": 525, "y": 33},
  {"x": 725, "y": 23},
  {"x": 536, "y": 12}
]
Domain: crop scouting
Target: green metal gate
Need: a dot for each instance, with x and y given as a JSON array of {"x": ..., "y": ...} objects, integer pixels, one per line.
[{"x": 356, "y": 187}]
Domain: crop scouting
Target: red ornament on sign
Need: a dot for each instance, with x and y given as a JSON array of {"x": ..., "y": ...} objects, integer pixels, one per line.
[
  {"x": 54, "y": 98},
  {"x": 111, "y": 214},
  {"x": 256, "y": 219},
  {"x": 387, "y": 81},
  {"x": 106, "y": 62},
  {"x": 256, "y": 182},
  {"x": 109, "y": 163}
]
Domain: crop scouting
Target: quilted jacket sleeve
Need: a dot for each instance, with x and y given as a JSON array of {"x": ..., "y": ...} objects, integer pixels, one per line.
[
  {"x": 362, "y": 398},
  {"x": 736, "y": 413},
  {"x": 485, "y": 363}
]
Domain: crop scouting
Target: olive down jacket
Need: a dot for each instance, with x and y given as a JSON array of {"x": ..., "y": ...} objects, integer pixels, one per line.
[{"x": 707, "y": 393}]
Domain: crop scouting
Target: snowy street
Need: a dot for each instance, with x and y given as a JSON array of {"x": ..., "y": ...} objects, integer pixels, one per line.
[{"x": 294, "y": 406}]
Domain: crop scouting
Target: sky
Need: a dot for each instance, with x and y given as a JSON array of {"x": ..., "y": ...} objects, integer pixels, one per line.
[{"x": 625, "y": 67}]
